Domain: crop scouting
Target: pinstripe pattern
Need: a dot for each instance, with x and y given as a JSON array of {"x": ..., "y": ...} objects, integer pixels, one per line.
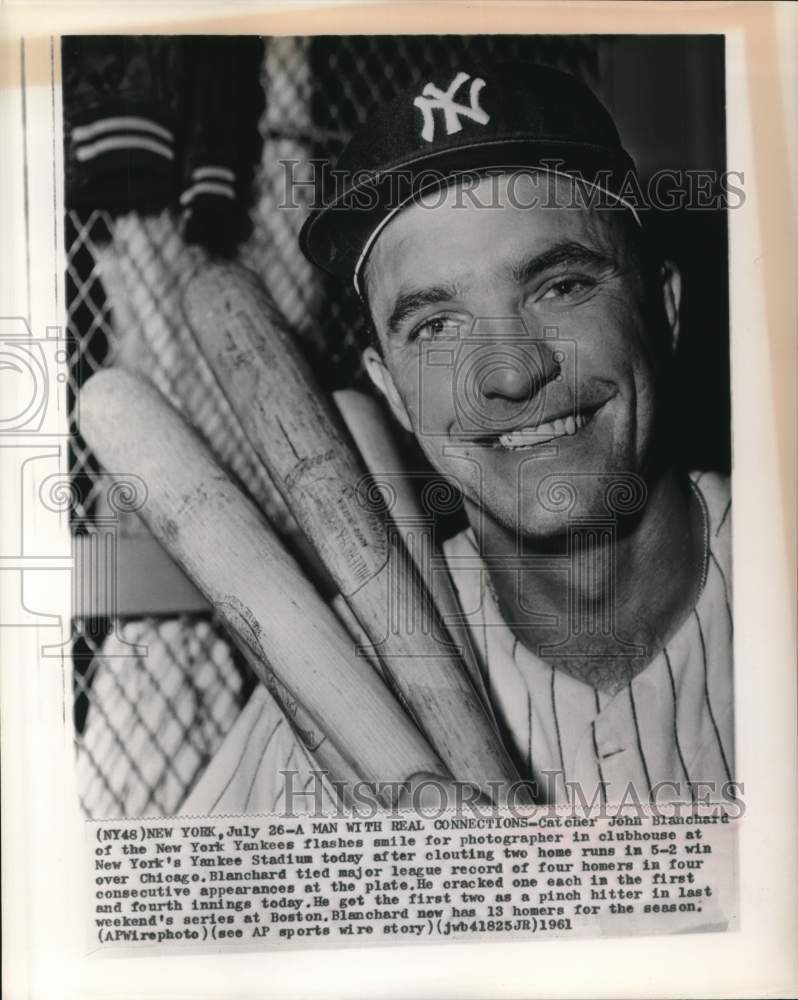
[
  {"x": 673, "y": 723},
  {"x": 714, "y": 559},
  {"x": 601, "y": 782},
  {"x": 557, "y": 721},
  {"x": 723, "y": 518},
  {"x": 238, "y": 763},
  {"x": 676, "y": 722},
  {"x": 269, "y": 738},
  {"x": 529, "y": 716},
  {"x": 279, "y": 793},
  {"x": 616, "y": 746},
  {"x": 708, "y": 699},
  {"x": 485, "y": 652},
  {"x": 245, "y": 774},
  {"x": 638, "y": 737}
]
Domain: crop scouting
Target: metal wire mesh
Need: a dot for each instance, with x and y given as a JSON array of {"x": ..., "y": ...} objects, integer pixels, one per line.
[
  {"x": 150, "y": 723},
  {"x": 146, "y": 725}
]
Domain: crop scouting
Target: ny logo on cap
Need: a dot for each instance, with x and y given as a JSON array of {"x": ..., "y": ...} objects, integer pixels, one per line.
[{"x": 432, "y": 98}]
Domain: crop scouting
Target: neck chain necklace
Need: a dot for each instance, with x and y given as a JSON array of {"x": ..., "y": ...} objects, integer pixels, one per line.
[{"x": 704, "y": 549}]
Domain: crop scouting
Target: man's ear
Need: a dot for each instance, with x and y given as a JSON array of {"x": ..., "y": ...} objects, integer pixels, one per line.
[
  {"x": 671, "y": 279},
  {"x": 383, "y": 380}
]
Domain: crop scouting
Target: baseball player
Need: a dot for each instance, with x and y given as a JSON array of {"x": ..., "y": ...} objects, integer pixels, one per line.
[{"x": 523, "y": 329}]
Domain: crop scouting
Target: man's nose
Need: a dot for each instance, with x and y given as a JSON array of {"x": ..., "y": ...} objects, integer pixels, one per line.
[{"x": 518, "y": 371}]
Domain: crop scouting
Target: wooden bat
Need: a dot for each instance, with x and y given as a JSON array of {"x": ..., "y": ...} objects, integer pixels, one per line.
[
  {"x": 296, "y": 432},
  {"x": 222, "y": 542},
  {"x": 366, "y": 421}
]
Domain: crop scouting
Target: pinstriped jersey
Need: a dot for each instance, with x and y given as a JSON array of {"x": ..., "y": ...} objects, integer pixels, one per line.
[{"x": 672, "y": 723}]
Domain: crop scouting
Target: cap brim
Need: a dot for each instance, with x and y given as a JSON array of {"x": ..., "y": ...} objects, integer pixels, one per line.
[{"x": 336, "y": 234}]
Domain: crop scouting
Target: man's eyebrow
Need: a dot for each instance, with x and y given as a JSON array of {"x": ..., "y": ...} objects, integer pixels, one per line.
[
  {"x": 567, "y": 253},
  {"x": 408, "y": 302}
]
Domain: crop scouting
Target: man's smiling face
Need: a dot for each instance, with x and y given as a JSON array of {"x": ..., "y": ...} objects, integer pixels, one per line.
[{"x": 514, "y": 343}]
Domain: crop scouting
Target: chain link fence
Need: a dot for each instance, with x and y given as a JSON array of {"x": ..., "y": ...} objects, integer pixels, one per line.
[{"x": 157, "y": 689}]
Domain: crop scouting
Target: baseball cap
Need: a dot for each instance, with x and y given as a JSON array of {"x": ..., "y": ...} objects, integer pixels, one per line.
[{"x": 458, "y": 121}]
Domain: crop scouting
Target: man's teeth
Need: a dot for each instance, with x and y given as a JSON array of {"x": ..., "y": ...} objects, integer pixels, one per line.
[{"x": 527, "y": 436}]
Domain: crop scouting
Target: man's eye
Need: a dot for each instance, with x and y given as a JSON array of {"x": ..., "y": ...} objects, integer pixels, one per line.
[
  {"x": 438, "y": 326},
  {"x": 568, "y": 288}
]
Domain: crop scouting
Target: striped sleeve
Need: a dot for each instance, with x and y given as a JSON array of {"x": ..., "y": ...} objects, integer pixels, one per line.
[{"x": 247, "y": 773}]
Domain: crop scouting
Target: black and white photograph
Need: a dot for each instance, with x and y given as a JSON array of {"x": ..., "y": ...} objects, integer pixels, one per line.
[
  {"x": 461, "y": 337},
  {"x": 410, "y": 362}
]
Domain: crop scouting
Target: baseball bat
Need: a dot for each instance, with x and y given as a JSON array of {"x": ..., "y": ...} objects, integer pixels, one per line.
[
  {"x": 370, "y": 429},
  {"x": 222, "y": 542},
  {"x": 301, "y": 439},
  {"x": 143, "y": 271}
]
